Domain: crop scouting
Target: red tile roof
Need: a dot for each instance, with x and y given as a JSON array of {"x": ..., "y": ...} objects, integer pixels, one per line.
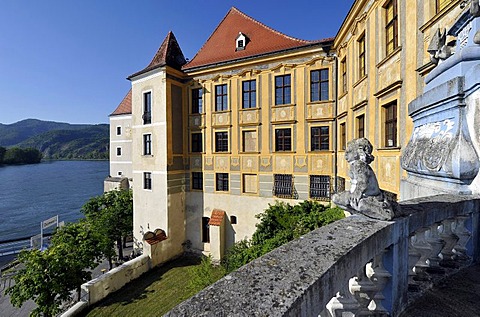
[
  {"x": 155, "y": 237},
  {"x": 221, "y": 46},
  {"x": 125, "y": 107},
  {"x": 169, "y": 53},
  {"x": 216, "y": 218}
]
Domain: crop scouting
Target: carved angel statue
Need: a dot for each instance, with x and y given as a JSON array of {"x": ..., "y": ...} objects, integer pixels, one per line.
[{"x": 364, "y": 196}]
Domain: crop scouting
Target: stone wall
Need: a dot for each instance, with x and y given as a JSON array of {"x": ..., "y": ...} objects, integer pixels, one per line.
[{"x": 315, "y": 274}]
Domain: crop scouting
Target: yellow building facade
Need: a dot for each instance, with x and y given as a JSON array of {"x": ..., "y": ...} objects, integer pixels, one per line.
[
  {"x": 257, "y": 117},
  {"x": 382, "y": 55}
]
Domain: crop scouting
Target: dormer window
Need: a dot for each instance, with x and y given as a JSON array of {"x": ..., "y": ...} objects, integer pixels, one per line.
[{"x": 241, "y": 41}]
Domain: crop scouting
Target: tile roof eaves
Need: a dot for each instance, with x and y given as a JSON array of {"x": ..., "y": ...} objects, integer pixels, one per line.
[
  {"x": 231, "y": 61},
  {"x": 113, "y": 114},
  {"x": 146, "y": 70}
]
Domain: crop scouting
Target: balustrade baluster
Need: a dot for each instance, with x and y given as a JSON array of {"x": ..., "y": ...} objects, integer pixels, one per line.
[
  {"x": 363, "y": 290},
  {"x": 377, "y": 273},
  {"x": 464, "y": 235},
  {"x": 413, "y": 256},
  {"x": 450, "y": 241},
  {"x": 437, "y": 245},
  {"x": 343, "y": 304},
  {"x": 425, "y": 250}
]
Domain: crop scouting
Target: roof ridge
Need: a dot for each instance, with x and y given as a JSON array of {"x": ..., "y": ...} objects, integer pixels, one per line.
[
  {"x": 270, "y": 28},
  {"x": 211, "y": 34}
]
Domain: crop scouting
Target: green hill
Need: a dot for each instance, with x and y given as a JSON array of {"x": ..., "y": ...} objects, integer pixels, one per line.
[{"x": 58, "y": 140}]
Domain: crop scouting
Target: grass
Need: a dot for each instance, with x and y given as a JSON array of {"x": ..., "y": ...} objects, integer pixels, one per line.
[{"x": 153, "y": 294}]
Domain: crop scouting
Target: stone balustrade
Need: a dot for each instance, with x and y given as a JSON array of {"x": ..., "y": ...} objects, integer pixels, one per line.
[{"x": 354, "y": 267}]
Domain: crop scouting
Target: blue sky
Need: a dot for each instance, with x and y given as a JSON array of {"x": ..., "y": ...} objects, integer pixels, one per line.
[{"x": 67, "y": 60}]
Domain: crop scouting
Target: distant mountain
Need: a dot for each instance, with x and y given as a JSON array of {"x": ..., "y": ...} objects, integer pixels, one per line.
[{"x": 58, "y": 140}]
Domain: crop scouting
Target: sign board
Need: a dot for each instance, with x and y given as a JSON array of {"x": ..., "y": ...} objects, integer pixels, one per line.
[{"x": 50, "y": 222}]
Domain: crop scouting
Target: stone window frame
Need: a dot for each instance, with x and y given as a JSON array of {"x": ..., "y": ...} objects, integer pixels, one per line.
[
  {"x": 313, "y": 147},
  {"x": 283, "y": 143},
  {"x": 251, "y": 93},
  {"x": 362, "y": 62},
  {"x": 147, "y": 180},
  {"x": 317, "y": 186},
  {"x": 147, "y": 104},
  {"x": 390, "y": 124},
  {"x": 319, "y": 82},
  {"x": 360, "y": 125},
  {"x": 343, "y": 75},
  {"x": 147, "y": 144},
  {"x": 221, "y": 97},
  {"x": 221, "y": 143},
  {"x": 283, "y": 186},
  {"x": 243, "y": 184},
  {"x": 196, "y": 142},
  {"x": 242, "y": 136},
  {"x": 222, "y": 182},
  {"x": 197, "y": 181},
  {"x": 119, "y": 151},
  {"x": 391, "y": 23},
  {"x": 342, "y": 133},
  {"x": 197, "y": 100},
  {"x": 285, "y": 98},
  {"x": 119, "y": 130}
]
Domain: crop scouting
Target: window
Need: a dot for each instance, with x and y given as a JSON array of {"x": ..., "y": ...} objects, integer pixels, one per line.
[
  {"x": 119, "y": 151},
  {"x": 391, "y": 26},
  {"x": 441, "y": 4},
  {"x": 390, "y": 113},
  {"x": 361, "y": 57},
  {"x": 221, "y": 141},
  {"x": 197, "y": 101},
  {"x": 197, "y": 142},
  {"x": 282, "y": 90},
  {"x": 343, "y": 136},
  {"x": 283, "y": 139},
  {"x": 319, "y": 186},
  {"x": 119, "y": 173},
  {"x": 147, "y": 144},
  {"x": 319, "y": 85},
  {"x": 250, "y": 183},
  {"x": 320, "y": 138},
  {"x": 147, "y": 108},
  {"x": 283, "y": 185},
  {"x": 343, "y": 74},
  {"x": 147, "y": 180},
  {"x": 119, "y": 130},
  {"x": 249, "y": 92},
  {"x": 205, "y": 230},
  {"x": 222, "y": 182},
  {"x": 360, "y": 126},
  {"x": 233, "y": 220},
  {"x": 221, "y": 98},
  {"x": 197, "y": 180},
  {"x": 249, "y": 141}
]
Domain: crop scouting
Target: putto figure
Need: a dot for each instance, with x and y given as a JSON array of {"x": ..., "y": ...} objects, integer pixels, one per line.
[{"x": 364, "y": 197}]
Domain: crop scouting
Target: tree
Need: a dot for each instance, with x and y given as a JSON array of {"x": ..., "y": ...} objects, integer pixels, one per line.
[
  {"x": 2, "y": 153},
  {"x": 22, "y": 156},
  {"x": 112, "y": 215},
  {"x": 44, "y": 278},
  {"x": 81, "y": 245}
]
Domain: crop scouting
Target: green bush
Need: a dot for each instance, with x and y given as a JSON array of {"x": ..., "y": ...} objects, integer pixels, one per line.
[
  {"x": 279, "y": 224},
  {"x": 205, "y": 274}
]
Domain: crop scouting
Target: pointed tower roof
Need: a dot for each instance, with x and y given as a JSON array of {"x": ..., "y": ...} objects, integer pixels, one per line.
[
  {"x": 261, "y": 39},
  {"x": 169, "y": 53},
  {"x": 125, "y": 107}
]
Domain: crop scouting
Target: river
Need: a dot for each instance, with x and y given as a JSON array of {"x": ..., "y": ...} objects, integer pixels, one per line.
[{"x": 32, "y": 193}]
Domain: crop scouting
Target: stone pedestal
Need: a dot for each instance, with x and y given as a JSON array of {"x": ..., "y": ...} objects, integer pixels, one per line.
[{"x": 442, "y": 154}]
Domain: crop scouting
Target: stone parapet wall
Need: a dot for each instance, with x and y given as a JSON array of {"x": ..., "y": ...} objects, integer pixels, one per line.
[{"x": 310, "y": 276}]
